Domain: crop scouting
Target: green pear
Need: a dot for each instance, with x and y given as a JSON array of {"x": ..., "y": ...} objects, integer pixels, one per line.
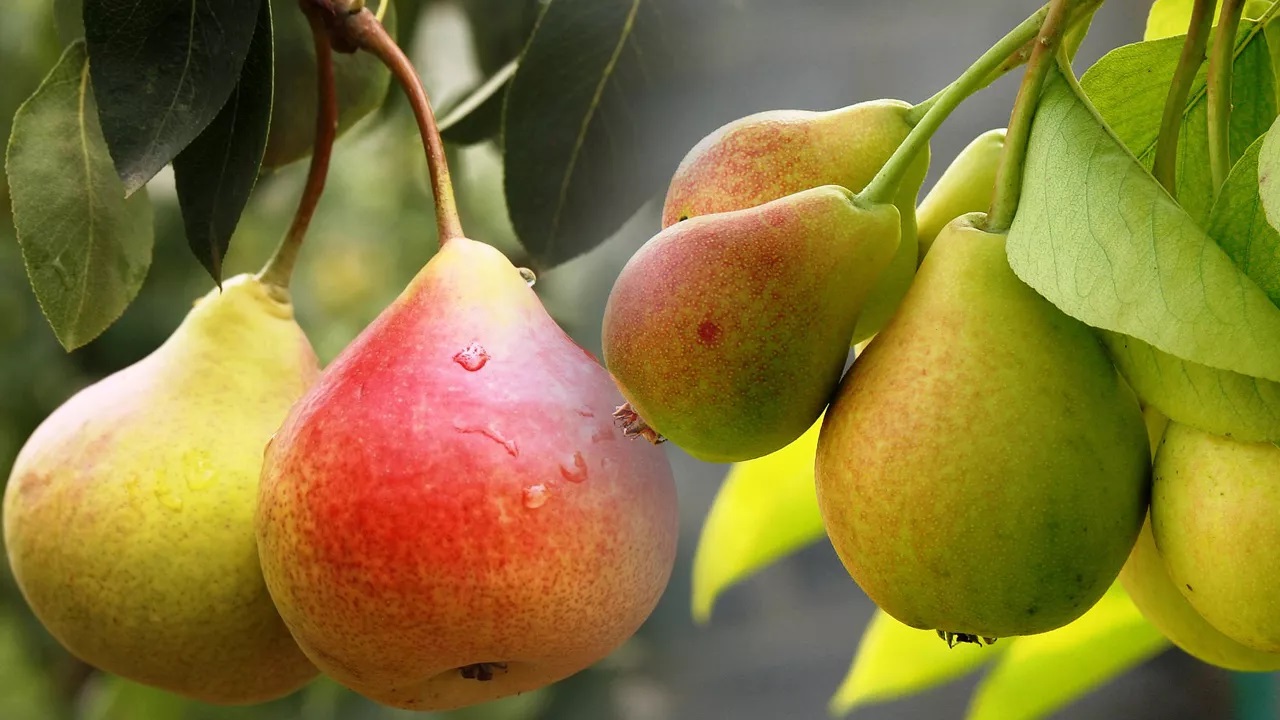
[
  {"x": 773, "y": 154},
  {"x": 128, "y": 518},
  {"x": 450, "y": 515},
  {"x": 982, "y": 470},
  {"x": 965, "y": 186},
  {"x": 727, "y": 333},
  {"x": 1213, "y": 514},
  {"x": 361, "y": 81},
  {"x": 1147, "y": 581}
]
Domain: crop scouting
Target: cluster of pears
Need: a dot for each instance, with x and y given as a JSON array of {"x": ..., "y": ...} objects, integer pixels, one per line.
[
  {"x": 445, "y": 515},
  {"x": 982, "y": 469}
]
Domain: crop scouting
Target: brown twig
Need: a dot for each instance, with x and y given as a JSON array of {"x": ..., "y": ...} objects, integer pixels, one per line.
[
  {"x": 352, "y": 27},
  {"x": 279, "y": 269}
]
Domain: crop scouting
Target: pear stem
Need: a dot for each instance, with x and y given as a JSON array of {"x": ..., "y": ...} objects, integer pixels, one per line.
[
  {"x": 884, "y": 185},
  {"x": 1009, "y": 174},
  {"x": 1219, "y": 90},
  {"x": 1165, "y": 167},
  {"x": 366, "y": 33},
  {"x": 279, "y": 269}
]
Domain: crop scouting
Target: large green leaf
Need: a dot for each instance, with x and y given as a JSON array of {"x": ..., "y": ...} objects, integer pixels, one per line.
[
  {"x": 1269, "y": 177},
  {"x": 216, "y": 173},
  {"x": 894, "y": 660},
  {"x": 1217, "y": 401},
  {"x": 766, "y": 508},
  {"x": 86, "y": 248},
  {"x": 1038, "y": 674},
  {"x": 584, "y": 121},
  {"x": 1102, "y": 240},
  {"x": 1128, "y": 87},
  {"x": 476, "y": 116},
  {"x": 162, "y": 69}
]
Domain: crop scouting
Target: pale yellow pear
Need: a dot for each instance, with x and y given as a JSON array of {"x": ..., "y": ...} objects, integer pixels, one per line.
[{"x": 128, "y": 518}]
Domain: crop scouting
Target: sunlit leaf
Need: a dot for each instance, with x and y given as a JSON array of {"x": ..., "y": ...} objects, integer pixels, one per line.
[
  {"x": 1102, "y": 240},
  {"x": 1171, "y": 17},
  {"x": 894, "y": 660},
  {"x": 1038, "y": 674},
  {"x": 1128, "y": 88},
  {"x": 765, "y": 509}
]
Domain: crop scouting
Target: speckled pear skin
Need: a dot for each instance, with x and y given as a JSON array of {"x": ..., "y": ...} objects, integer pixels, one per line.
[
  {"x": 727, "y": 333},
  {"x": 775, "y": 153},
  {"x": 965, "y": 186},
  {"x": 450, "y": 515},
  {"x": 983, "y": 469},
  {"x": 1213, "y": 514},
  {"x": 128, "y": 518}
]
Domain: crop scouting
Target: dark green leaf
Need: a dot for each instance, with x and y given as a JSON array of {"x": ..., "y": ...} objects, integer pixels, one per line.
[
  {"x": 477, "y": 115},
  {"x": 86, "y": 248},
  {"x": 1099, "y": 237},
  {"x": 216, "y": 172},
  {"x": 1128, "y": 87},
  {"x": 162, "y": 69},
  {"x": 583, "y": 113}
]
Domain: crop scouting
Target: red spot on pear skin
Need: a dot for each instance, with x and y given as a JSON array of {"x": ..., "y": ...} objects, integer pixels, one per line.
[
  {"x": 709, "y": 333},
  {"x": 472, "y": 357}
]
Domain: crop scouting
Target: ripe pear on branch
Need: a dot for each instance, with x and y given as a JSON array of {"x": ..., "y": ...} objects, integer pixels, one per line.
[{"x": 450, "y": 516}]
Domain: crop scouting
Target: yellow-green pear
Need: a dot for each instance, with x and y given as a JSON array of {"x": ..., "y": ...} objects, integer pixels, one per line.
[
  {"x": 776, "y": 153},
  {"x": 965, "y": 186},
  {"x": 1214, "y": 506},
  {"x": 1148, "y": 583},
  {"x": 983, "y": 470},
  {"x": 128, "y": 518}
]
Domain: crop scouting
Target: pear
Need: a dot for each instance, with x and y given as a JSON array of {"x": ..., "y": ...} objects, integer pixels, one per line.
[
  {"x": 983, "y": 471},
  {"x": 128, "y": 518},
  {"x": 727, "y": 333},
  {"x": 1147, "y": 581},
  {"x": 775, "y": 153},
  {"x": 1213, "y": 514},
  {"x": 450, "y": 516},
  {"x": 361, "y": 81},
  {"x": 965, "y": 186}
]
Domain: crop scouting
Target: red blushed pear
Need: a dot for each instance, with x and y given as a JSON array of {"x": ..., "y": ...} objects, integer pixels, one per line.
[
  {"x": 772, "y": 154},
  {"x": 450, "y": 516},
  {"x": 727, "y": 333}
]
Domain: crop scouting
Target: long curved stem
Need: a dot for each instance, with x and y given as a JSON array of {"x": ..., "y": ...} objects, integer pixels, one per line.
[
  {"x": 1219, "y": 90},
  {"x": 1009, "y": 174},
  {"x": 368, "y": 34},
  {"x": 884, "y": 185},
  {"x": 279, "y": 269},
  {"x": 1165, "y": 168}
]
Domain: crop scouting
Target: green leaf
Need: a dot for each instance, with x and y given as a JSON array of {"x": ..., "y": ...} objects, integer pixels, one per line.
[
  {"x": 86, "y": 248},
  {"x": 1269, "y": 176},
  {"x": 1039, "y": 674},
  {"x": 1217, "y": 401},
  {"x": 1239, "y": 224},
  {"x": 1099, "y": 237},
  {"x": 765, "y": 509},
  {"x": 477, "y": 115},
  {"x": 584, "y": 121},
  {"x": 162, "y": 69},
  {"x": 1128, "y": 87},
  {"x": 216, "y": 173},
  {"x": 894, "y": 660}
]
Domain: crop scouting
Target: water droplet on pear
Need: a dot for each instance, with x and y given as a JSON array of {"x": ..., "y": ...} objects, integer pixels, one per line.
[
  {"x": 535, "y": 496},
  {"x": 472, "y": 357}
]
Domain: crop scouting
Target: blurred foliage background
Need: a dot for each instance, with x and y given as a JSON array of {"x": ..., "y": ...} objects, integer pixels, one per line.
[{"x": 780, "y": 643}]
